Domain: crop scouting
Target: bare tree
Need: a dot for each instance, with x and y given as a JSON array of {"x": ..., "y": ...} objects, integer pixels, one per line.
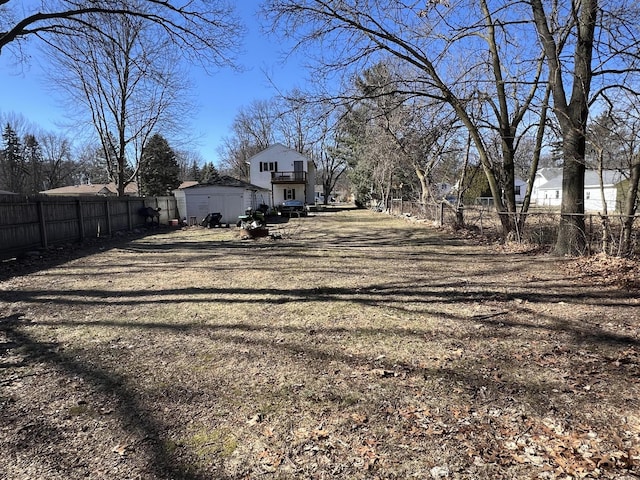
[
  {"x": 127, "y": 82},
  {"x": 483, "y": 70},
  {"x": 614, "y": 139},
  {"x": 575, "y": 37},
  {"x": 302, "y": 121},
  {"x": 252, "y": 131},
  {"x": 256, "y": 123},
  {"x": 57, "y": 159},
  {"x": 235, "y": 153},
  {"x": 331, "y": 159}
]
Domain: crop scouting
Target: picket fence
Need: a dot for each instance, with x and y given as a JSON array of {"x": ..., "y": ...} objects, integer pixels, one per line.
[{"x": 37, "y": 222}]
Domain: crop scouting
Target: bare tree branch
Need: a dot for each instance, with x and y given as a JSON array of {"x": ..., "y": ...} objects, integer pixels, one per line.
[{"x": 205, "y": 29}]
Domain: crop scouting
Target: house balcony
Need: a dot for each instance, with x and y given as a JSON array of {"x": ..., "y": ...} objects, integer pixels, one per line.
[{"x": 289, "y": 177}]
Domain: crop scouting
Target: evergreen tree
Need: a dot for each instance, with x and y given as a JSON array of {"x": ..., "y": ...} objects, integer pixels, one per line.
[
  {"x": 13, "y": 171},
  {"x": 209, "y": 173},
  {"x": 34, "y": 164},
  {"x": 194, "y": 172},
  {"x": 159, "y": 169}
]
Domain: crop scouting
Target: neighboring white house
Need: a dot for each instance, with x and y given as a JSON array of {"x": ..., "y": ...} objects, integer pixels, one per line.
[
  {"x": 519, "y": 185},
  {"x": 611, "y": 180},
  {"x": 547, "y": 196},
  {"x": 549, "y": 193},
  {"x": 287, "y": 174},
  {"x": 226, "y": 195}
]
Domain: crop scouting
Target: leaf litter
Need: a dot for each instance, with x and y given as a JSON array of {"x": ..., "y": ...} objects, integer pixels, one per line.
[{"x": 359, "y": 346}]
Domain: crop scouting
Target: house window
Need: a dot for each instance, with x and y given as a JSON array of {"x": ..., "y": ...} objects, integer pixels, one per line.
[
  {"x": 587, "y": 195},
  {"x": 517, "y": 189},
  {"x": 557, "y": 193},
  {"x": 290, "y": 194},
  {"x": 268, "y": 166}
]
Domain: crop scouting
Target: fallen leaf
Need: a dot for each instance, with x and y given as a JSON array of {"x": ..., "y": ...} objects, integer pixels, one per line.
[{"x": 120, "y": 449}]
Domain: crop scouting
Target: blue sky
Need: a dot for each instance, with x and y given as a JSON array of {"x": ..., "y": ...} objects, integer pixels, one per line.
[{"x": 219, "y": 95}]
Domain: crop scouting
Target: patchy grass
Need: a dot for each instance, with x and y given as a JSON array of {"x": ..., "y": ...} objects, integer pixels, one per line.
[{"x": 354, "y": 346}]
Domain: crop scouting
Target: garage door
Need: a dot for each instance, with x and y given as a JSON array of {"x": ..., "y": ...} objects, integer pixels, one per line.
[{"x": 230, "y": 205}]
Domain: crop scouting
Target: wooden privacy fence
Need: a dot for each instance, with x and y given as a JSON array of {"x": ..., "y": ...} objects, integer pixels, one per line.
[{"x": 34, "y": 222}]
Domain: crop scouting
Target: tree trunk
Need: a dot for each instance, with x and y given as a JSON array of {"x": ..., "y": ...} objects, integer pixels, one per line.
[
  {"x": 533, "y": 170},
  {"x": 424, "y": 185},
  {"x": 606, "y": 229},
  {"x": 572, "y": 116},
  {"x": 571, "y": 238},
  {"x": 630, "y": 207}
]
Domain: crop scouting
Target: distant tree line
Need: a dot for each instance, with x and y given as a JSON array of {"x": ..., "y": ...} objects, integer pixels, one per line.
[{"x": 34, "y": 162}]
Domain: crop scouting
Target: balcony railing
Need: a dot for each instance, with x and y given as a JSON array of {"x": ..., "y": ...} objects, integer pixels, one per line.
[{"x": 289, "y": 177}]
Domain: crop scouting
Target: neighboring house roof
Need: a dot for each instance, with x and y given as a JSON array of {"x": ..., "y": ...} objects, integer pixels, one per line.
[
  {"x": 221, "y": 181},
  {"x": 609, "y": 178},
  {"x": 591, "y": 180},
  {"x": 187, "y": 184},
  {"x": 548, "y": 173},
  {"x": 553, "y": 184},
  {"x": 92, "y": 189}
]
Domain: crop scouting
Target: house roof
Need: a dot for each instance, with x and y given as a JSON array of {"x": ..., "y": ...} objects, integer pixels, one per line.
[
  {"x": 5, "y": 192},
  {"x": 549, "y": 173},
  {"x": 92, "y": 189},
  {"x": 553, "y": 184},
  {"x": 221, "y": 181},
  {"x": 591, "y": 180},
  {"x": 609, "y": 178},
  {"x": 187, "y": 184}
]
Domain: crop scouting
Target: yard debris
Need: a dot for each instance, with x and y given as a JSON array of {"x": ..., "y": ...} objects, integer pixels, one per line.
[{"x": 317, "y": 357}]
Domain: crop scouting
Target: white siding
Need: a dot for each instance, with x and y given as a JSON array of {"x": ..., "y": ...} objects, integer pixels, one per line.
[
  {"x": 285, "y": 158},
  {"x": 593, "y": 199},
  {"x": 549, "y": 197},
  {"x": 197, "y": 202}
]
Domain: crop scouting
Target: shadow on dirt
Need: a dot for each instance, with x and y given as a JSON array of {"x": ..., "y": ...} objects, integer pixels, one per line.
[{"x": 138, "y": 421}]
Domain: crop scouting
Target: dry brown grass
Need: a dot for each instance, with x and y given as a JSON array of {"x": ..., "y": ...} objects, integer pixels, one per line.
[{"x": 355, "y": 346}]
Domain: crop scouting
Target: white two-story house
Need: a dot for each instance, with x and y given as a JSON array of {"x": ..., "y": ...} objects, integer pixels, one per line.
[{"x": 288, "y": 174}]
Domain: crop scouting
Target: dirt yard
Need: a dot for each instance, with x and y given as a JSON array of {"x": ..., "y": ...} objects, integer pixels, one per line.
[{"x": 353, "y": 346}]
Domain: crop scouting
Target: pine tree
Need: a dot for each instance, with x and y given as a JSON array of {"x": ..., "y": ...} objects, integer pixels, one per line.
[
  {"x": 13, "y": 170},
  {"x": 209, "y": 173},
  {"x": 34, "y": 163},
  {"x": 194, "y": 172},
  {"x": 159, "y": 169}
]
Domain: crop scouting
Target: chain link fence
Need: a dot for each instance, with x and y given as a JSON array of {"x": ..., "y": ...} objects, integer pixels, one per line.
[{"x": 540, "y": 227}]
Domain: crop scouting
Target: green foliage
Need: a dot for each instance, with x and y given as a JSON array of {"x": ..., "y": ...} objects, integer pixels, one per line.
[
  {"x": 209, "y": 173},
  {"x": 159, "y": 169},
  {"x": 476, "y": 185},
  {"x": 13, "y": 169},
  {"x": 194, "y": 173}
]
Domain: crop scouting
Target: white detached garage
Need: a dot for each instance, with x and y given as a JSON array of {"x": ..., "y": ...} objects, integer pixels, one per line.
[{"x": 225, "y": 195}]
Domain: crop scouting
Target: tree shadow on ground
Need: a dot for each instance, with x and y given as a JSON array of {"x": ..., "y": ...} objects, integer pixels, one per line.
[
  {"x": 132, "y": 416},
  {"x": 58, "y": 255}
]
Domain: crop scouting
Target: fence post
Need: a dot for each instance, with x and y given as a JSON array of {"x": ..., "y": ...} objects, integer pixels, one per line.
[
  {"x": 441, "y": 219},
  {"x": 80, "y": 219},
  {"x": 129, "y": 219},
  {"x": 107, "y": 205},
  {"x": 42, "y": 225},
  {"x": 590, "y": 234}
]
